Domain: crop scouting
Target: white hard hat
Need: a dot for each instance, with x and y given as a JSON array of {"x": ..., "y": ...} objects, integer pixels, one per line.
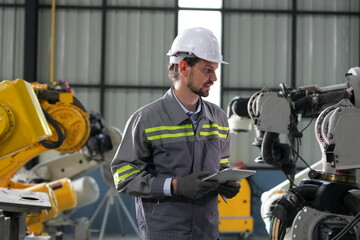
[{"x": 197, "y": 41}]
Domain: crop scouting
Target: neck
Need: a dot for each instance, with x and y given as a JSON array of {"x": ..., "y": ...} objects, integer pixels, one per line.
[{"x": 187, "y": 98}]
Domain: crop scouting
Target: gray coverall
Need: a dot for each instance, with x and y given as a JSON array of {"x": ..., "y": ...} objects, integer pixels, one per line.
[{"x": 160, "y": 142}]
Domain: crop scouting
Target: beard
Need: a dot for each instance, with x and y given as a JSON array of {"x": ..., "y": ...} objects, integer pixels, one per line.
[{"x": 203, "y": 91}]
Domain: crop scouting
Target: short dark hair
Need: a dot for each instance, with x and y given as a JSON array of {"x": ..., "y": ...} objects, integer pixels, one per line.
[{"x": 174, "y": 67}]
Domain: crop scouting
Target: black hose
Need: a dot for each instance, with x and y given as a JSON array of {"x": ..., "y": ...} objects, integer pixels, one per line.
[
  {"x": 269, "y": 154},
  {"x": 60, "y": 131},
  {"x": 292, "y": 202}
]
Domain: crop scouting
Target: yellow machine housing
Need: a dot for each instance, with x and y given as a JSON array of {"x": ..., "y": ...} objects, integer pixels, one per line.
[
  {"x": 24, "y": 129},
  {"x": 75, "y": 122},
  {"x": 45, "y": 215},
  {"x": 65, "y": 193},
  {"x": 62, "y": 197},
  {"x": 73, "y": 119},
  {"x": 22, "y": 122},
  {"x": 235, "y": 215}
]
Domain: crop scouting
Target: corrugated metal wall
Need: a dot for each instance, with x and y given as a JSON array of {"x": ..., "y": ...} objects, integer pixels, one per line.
[
  {"x": 137, "y": 43},
  {"x": 258, "y": 49},
  {"x": 11, "y": 42},
  {"x": 115, "y": 55},
  {"x": 77, "y": 45},
  {"x": 327, "y": 47}
]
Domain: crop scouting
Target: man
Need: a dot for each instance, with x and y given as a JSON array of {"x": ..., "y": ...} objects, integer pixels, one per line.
[{"x": 171, "y": 144}]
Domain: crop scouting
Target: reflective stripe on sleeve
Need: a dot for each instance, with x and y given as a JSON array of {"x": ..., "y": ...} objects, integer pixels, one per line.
[
  {"x": 224, "y": 160},
  {"x": 120, "y": 176}
]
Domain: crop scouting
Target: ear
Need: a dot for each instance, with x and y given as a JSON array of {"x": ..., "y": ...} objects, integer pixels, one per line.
[{"x": 183, "y": 68}]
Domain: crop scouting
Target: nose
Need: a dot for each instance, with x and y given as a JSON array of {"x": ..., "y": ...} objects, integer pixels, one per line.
[{"x": 213, "y": 77}]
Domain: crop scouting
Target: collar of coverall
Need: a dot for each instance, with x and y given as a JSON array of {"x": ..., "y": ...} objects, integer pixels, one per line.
[
  {"x": 187, "y": 112},
  {"x": 176, "y": 113}
]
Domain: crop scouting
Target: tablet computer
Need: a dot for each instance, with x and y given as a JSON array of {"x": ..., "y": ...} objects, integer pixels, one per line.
[{"x": 229, "y": 174}]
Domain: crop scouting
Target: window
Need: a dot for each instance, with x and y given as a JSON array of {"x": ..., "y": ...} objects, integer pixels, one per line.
[{"x": 211, "y": 20}]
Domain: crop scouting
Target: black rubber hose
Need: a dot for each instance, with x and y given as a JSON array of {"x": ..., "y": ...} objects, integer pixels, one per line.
[
  {"x": 307, "y": 191},
  {"x": 292, "y": 202},
  {"x": 269, "y": 153}
]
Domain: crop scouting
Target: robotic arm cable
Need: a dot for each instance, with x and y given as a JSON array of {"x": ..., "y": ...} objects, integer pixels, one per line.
[{"x": 60, "y": 130}]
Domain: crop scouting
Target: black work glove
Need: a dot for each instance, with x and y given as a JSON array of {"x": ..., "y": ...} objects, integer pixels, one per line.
[
  {"x": 192, "y": 187},
  {"x": 229, "y": 189}
]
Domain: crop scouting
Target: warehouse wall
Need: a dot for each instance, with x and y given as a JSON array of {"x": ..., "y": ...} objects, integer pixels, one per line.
[{"x": 113, "y": 53}]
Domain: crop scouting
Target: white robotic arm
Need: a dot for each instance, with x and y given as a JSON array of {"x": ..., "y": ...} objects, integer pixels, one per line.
[
  {"x": 270, "y": 112},
  {"x": 325, "y": 206},
  {"x": 336, "y": 131},
  {"x": 323, "y": 199},
  {"x": 275, "y": 113}
]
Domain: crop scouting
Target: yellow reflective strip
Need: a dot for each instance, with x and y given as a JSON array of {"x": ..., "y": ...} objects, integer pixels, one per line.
[
  {"x": 224, "y": 128},
  {"x": 213, "y": 133},
  {"x": 123, "y": 169},
  {"x": 210, "y": 125},
  {"x": 170, "y": 135},
  {"x": 224, "y": 160},
  {"x": 123, "y": 177},
  {"x": 160, "y": 128},
  {"x": 215, "y": 125}
]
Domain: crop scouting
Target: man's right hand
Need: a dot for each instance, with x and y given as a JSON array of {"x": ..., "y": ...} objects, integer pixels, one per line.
[{"x": 191, "y": 186}]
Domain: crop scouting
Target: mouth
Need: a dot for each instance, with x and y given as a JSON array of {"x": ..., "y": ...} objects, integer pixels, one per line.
[{"x": 208, "y": 85}]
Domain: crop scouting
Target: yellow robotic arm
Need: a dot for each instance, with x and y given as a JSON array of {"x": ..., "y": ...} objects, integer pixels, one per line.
[
  {"x": 67, "y": 131},
  {"x": 22, "y": 122},
  {"x": 35, "y": 118}
]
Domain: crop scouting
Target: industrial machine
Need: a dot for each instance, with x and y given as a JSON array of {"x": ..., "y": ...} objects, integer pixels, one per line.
[
  {"x": 34, "y": 119},
  {"x": 70, "y": 129},
  {"x": 22, "y": 123},
  {"x": 325, "y": 205},
  {"x": 235, "y": 214},
  {"x": 235, "y": 218},
  {"x": 22, "y": 120}
]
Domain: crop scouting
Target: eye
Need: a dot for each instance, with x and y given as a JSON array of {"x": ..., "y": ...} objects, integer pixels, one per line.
[{"x": 208, "y": 70}]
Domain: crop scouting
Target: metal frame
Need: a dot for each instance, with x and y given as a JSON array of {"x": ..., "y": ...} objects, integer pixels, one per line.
[{"x": 30, "y": 49}]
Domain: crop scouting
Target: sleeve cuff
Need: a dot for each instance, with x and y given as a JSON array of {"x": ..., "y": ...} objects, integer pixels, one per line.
[{"x": 167, "y": 187}]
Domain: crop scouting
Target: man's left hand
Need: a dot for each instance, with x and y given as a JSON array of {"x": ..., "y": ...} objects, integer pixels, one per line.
[{"x": 229, "y": 189}]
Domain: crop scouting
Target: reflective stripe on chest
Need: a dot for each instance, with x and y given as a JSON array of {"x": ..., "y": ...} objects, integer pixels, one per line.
[
  {"x": 214, "y": 129},
  {"x": 186, "y": 130},
  {"x": 162, "y": 132}
]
